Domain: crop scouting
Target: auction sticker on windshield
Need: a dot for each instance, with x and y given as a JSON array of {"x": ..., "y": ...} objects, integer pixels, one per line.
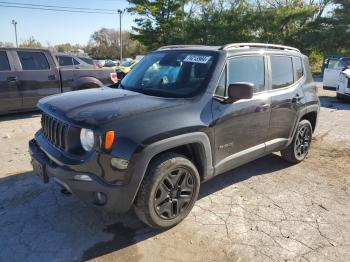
[{"x": 201, "y": 59}]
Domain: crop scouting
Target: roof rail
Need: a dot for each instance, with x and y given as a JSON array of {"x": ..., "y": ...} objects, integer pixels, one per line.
[
  {"x": 177, "y": 46},
  {"x": 248, "y": 45}
]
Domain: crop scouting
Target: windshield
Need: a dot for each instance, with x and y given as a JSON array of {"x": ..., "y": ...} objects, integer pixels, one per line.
[
  {"x": 170, "y": 73},
  {"x": 127, "y": 63}
]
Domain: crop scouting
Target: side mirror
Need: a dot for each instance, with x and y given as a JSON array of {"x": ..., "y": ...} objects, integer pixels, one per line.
[{"x": 240, "y": 90}]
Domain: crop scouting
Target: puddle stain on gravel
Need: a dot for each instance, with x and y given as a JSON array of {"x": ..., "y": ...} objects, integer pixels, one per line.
[{"x": 123, "y": 237}]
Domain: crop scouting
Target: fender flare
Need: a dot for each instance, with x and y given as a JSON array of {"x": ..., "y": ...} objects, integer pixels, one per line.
[
  {"x": 152, "y": 150},
  {"x": 303, "y": 112},
  {"x": 87, "y": 80}
]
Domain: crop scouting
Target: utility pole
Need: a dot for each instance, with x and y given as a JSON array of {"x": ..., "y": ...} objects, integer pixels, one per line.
[
  {"x": 120, "y": 34},
  {"x": 183, "y": 20},
  {"x": 15, "y": 25}
]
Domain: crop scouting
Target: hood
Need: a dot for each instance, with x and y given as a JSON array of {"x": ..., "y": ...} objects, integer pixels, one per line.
[{"x": 97, "y": 106}]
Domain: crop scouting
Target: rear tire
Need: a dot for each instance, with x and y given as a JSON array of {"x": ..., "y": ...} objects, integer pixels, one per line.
[
  {"x": 300, "y": 145},
  {"x": 168, "y": 191}
]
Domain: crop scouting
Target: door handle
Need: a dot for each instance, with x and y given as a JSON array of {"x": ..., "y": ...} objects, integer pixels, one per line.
[
  {"x": 12, "y": 79},
  {"x": 263, "y": 108},
  {"x": 297, "y": 98},
  {"x": 51, "y": 77}
]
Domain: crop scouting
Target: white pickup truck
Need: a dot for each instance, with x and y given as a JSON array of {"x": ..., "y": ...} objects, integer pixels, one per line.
[
  {"x": 332, "y": 71},
  {"x": 343, "y": 87}
]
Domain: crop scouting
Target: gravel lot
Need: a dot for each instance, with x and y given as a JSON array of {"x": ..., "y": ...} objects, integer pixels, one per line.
[{"x": 267, "y": 210}]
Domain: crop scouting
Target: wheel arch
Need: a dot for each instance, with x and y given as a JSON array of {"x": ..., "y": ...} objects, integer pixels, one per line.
[
  {"x": 195, "y": 146},
  {"x": 311, "y": 117}
]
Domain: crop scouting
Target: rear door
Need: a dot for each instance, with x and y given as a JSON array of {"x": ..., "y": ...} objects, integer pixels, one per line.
[
  {"x": 38, "y": 76},
  {"x": 10, "y": 98},
  {"x": 241, "y": 127},
  {"x": 286, "y": 94}
]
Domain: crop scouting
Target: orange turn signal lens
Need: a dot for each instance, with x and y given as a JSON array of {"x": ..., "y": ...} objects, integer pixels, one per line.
[{"x": 109, "y": 139}]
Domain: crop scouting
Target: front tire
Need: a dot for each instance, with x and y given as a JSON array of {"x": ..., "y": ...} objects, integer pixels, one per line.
[
  {"x": 168, "y": 191},
  {"x": 300, "y": 145}
]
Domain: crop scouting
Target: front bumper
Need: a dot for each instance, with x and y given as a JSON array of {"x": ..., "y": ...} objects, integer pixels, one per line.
[{"x": 118, "y": 198}]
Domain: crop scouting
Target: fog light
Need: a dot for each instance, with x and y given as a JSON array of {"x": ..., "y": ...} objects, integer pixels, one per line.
[
  {"x": 82, "y": 178},
  {"x": 119, "y": 163},
  {"x": 101, "y": 198}
]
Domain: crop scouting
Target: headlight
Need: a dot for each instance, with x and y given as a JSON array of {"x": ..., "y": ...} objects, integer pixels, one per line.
[{"x": 87, "y": 139}]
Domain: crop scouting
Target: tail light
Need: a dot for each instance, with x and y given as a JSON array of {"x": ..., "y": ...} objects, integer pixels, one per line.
[{"x": 114, "y": 77}]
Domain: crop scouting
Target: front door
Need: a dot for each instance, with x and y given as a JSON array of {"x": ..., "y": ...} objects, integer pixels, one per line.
[
  {"x": 10, "y": 98},
  {"x": 241, "y": 128}
]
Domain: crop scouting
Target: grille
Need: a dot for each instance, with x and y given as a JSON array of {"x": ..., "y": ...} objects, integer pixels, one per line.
[{"x": 55, "y": 131}]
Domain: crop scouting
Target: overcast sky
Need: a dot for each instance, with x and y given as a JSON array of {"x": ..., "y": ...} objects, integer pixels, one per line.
[{"x": 60, "y": 27}]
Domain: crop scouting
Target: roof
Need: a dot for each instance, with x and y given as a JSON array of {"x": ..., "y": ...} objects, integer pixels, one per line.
[{"x": 24, "y": 49}]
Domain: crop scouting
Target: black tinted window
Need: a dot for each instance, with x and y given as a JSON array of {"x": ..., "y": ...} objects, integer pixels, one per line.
[
  {"x": 65, "y": 60},
  {"x": 282, "y": 71},
  {"x": 248, "y": 69},
  {"x": 4, "y": 62},
  {"x": 87, "y": 60},
  {"x": 298, "y": 67},
  {"x": 33, "y": 60}
]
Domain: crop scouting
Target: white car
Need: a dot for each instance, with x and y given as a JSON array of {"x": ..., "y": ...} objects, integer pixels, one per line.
[
  {"x": 332, "y": 72},
  {"x": 343, "y": 87}
]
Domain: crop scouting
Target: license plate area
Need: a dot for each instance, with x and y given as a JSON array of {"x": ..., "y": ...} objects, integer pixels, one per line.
[{"x": 40, "y": 170}]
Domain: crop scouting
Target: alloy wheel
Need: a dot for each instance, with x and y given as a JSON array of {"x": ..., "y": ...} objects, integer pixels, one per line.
[
  {"x": 174, "y": 193},
  {"x": 302, "y": 142}
]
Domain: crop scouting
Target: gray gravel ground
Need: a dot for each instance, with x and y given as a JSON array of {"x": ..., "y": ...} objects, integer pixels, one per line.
[{"x": 267, "y": 210}]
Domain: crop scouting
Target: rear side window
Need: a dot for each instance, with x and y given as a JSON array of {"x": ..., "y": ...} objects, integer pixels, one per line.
[
  {"x": 87, "y": 60},
  {"x": 4, "y": 62},
  {"x": 33, "y": 60},
  {"x": 297, "y": 63},
  {"x": 248, "y": 69},
  {"x": 64, "y": 61},
  {"x": 281, "y": 71},
  {"x": 75, "y": 62}
]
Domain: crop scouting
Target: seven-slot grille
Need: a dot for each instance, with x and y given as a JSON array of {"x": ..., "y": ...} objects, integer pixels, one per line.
[{"x": 55, "y": 131}]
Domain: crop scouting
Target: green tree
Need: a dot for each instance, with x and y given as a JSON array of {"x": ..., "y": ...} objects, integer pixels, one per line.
[
  {"x": 64, "y": 48},
  {"x": 158, "y": 22},
  {"x": 104, "y": 44},
  {"x": 31, "y": 42}
]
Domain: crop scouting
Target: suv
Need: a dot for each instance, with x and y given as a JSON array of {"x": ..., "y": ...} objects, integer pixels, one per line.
[{"x": 183, "y": 115}]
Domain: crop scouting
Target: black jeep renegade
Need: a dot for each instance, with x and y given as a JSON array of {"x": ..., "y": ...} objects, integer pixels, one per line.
[{"x": 183, "y": 115}]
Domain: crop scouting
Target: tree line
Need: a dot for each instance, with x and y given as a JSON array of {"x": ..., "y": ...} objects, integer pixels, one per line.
[
  {"x": 317, "y": 27},
  {"x": 103, "y": 44}
]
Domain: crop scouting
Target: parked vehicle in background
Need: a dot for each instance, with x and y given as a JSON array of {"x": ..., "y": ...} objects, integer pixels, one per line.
[
  {"x": 27, "y": 75},
  {"x": 70, "y": 61},
  {"x": 343, "y": 88},
  {"x": 125, "y": 67},
  {"x": 332, "y": 71},
  {"x": 99, "y": 63},
  {"x": 150, "y": 143},
  {"x": 111, "y": 63}
]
